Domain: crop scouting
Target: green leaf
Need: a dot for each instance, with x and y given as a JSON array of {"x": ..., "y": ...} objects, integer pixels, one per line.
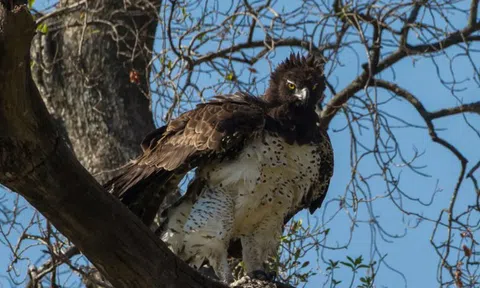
[
  {"x": 30, "y": 3},
  {"x": 305, "y": 264},
  {"x": 326, "y": 231},
  {"x": 347, "y": 264},
  {"x": 333, "y": 264},
  {"x": 229, "y": 76},
  {"x": 350, "y": 259},
  {"x": 42, "y": 28},
  {"x": 358, "y": 260}
]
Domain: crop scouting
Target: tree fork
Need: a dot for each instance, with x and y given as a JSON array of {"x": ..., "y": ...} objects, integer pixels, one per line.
[{"x": 36, "y": 163}]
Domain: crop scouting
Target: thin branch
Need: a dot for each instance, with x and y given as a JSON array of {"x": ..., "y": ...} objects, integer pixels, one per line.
[
  {"x": 59, "y": 11},
  {"x": 471, "y": 108},
  {"x": 140, "y": 259}
]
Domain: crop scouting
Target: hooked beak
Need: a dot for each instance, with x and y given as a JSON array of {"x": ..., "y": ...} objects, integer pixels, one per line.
[{"x": 303, "y": 95}]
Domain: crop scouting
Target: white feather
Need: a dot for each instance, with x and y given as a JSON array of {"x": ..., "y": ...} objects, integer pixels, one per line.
[{"x": 246, "y": 197}]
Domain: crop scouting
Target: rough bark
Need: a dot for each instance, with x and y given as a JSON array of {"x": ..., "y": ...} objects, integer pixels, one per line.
[
  {"x": 82, "y": 69},
  {"x": 35, "y": 162},
  {"x": 83, "y": 60}
]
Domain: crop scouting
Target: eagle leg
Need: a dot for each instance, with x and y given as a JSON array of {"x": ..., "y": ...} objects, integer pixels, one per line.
[
  {"x": 262, "y": 275},
  {"x": 260, "y": 245},
  {"x": 202, "y": 230},
  {"x": 219, "y": 263}
]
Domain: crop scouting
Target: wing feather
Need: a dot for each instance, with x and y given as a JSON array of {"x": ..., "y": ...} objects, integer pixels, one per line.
[
  {"x": 316, "y": 195},
  {"x": 203, "y": 134},
  {"x": 326, "y": 173}
]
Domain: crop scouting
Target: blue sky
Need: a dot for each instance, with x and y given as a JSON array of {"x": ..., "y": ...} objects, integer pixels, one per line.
[{"x": 411, "y": 254}]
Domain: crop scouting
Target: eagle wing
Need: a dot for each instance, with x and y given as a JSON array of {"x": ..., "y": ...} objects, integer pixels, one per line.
[
  {"x": 211, "y": 131},
  {"x": 317, "y": 192},
  {"x": 320, "y": 188}
]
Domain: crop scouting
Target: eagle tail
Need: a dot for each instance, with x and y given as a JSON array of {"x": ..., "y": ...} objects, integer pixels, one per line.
[{"x": 142, "y": 189}]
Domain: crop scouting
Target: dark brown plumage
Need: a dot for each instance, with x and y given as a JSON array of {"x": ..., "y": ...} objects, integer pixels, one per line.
[
  {"x": 215, "y": 134},
  {"x": 209, "y": 132}
]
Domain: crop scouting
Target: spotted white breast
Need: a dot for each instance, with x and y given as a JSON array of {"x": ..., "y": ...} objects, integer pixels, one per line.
[
  {"x": 270, "y": 176},
  {"x": 245, "y": 198}
]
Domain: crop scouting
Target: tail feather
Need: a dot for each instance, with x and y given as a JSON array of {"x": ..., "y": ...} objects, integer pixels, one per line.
[
  {"x": 142, "y": 189},
  {"x": 131, "y": 175}
]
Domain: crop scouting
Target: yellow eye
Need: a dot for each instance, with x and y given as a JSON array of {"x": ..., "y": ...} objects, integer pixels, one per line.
[
  {"x": 291, "y": 86},
  {"x": 314, "y": 87}
]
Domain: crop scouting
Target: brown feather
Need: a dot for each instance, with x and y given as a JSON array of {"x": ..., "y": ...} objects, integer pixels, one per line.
[
  {"x": 203, "y": 134},
  {"x": 220, "y": 128}
]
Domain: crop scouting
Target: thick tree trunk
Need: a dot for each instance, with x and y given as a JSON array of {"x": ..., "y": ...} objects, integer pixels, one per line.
[
  {"x": 82, "y": 69},
  {"x": 91, "y": 67},
  {"x": 35, "y": 162}
]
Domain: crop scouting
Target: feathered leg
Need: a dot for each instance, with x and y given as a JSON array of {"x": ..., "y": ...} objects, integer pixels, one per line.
[
  {"x": 208, "y": 231},
  {"x": 260, "y": 245}
]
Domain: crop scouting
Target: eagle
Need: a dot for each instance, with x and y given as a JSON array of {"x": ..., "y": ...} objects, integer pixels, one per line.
[{"x": 258, "y": 161}]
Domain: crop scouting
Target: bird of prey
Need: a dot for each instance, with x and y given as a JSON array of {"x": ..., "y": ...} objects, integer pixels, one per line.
[{"x": 258, "y": 162}]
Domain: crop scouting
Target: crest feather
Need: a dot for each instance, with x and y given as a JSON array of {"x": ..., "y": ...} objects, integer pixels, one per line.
[
  {"x": 308, "y": 65},
  {"x": 295, "y": 60}
]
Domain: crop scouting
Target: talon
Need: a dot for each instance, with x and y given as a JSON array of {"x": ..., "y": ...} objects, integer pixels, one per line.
[
  {"x": 272, "y": 276},
  {"x": 260, "y": 275}
]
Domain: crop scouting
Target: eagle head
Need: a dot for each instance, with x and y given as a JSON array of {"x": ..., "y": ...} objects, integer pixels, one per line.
[{"x": 298, "y": 79}]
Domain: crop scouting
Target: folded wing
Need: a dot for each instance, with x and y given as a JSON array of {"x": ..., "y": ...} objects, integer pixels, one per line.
[{"x": 213, "y": 130}]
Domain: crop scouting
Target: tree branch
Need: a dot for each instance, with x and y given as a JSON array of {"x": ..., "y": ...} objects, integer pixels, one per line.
[
  {"x": 257, "y": 44},
  {"x": 427, "y": 117},
  {"x": 457, "y": 37},
  {"x": 35, "y": 162},
  {"x": 471, "y": 107}
]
